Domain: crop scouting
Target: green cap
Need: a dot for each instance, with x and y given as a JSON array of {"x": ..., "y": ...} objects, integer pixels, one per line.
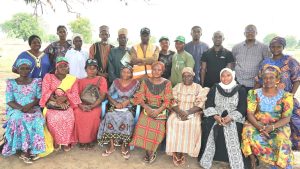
[
  {"x": 163, "y": 38},
  {"x": 180, "y": 39},
  {"x": 61, "y": 59}
]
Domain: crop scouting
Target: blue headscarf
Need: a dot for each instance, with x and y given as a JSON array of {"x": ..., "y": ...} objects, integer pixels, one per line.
[
  {"x": 279, "y": 40},
  {"x": 23, "y": 61}
]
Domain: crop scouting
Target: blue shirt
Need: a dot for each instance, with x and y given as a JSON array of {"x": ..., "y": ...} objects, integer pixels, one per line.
[
  {"x": 196, "y": 50},
  {"x": 40, "y": 66}
]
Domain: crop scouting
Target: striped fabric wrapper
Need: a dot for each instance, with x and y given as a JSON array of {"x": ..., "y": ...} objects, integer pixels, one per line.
[
  {"x": 185, "y": 136},
  {"x": 149, "y": 133}
]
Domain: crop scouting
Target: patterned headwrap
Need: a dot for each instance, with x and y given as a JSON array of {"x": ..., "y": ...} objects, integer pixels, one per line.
[
  {"x": 188, "y": 70},
  {"x": 279, "y": 40},
  {"x": 61, "y": 60},
  {"x": 271, "y": 69},
  {"x": 127, "y": 67},
  {"x": 23, "y": 61},
  {"x": 161, "y": 64}
]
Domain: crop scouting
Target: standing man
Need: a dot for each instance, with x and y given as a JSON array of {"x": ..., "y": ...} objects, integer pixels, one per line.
[
  {"x": 100, "y": 51},
  {"x": 180, "y": 60},
  {"x": 248, "y": 55},
  {"x": 143, "y": 55},
  {"x": 214, "y": 60},
  {"x": 116, "y": 55},
  {"x": 165, "y": 56},
  {"x": 196, "y": 48}
]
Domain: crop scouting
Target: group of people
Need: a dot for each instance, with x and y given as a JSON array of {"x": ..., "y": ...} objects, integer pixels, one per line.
[{"x": 210, "y": 103}]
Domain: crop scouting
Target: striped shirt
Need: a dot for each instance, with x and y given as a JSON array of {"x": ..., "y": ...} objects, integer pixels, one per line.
[{"x": 247, "y": 61}]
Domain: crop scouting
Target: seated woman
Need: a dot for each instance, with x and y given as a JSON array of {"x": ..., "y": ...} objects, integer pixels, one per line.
[
  {"x": 40, "y": 62},
  {"x": 60, "y": 89},
  {"x": 155, "y": 96},
  {"x": 117, "y": 126},
  {"x": 87, "y": 115},
  {"x": 289, "y": 81},
  {"x": 267, "y": 132},
  {"x": 24, "y": 130},
  {"x": 189, "y": 99},
  {"x": 222, "y": 125}
]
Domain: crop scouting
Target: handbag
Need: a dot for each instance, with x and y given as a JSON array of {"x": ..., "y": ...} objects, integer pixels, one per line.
[
  {"x": 52, "y": 104},
  {"x": 90, "y": 94}
]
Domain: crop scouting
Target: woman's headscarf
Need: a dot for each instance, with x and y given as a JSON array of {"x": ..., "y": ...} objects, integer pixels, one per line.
[
  {"x": 61, "y": 60},
  {"x": 232, "y": 83},
  {"x": 271, "y": 69},
  {"x": 23, "y": 61},
  {"x": 279, "y": 40},
  {"x": 188, "y": 70},
  {"x": 161, "y": 64}
]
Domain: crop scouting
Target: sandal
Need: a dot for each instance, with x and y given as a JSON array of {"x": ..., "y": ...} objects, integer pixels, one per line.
[
  {"x": 89, "y": 146},
  {"x": 126, "y": 154},
  {"x": 176, "y": 161},
  {"x": 26, "y": 160},
  {"x": 108, "y": 153},
  {"x": 67, "y": 148},
  {"x": 182, "y": 160},
  {"x": 57, "y": 148},
  {"x": 152, "y": 158},
  {"x": 82, "y": 146},
  {"x": 35, "y": 157},
  {"x": 22, "y": 156},
  {"x": 146, "y": 158}
]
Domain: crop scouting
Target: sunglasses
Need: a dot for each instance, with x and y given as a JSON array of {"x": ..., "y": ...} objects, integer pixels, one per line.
[{"x": 89, "y": 61}]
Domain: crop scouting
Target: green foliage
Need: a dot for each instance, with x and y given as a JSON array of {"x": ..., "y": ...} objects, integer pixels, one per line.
[
  {"x": 82, "y": 26},
  {"x": 267, "y": 39},
  {"x": 51, "y": 38},
  {"x": 152, "y": 40},
  {"x": 22, "y": 25},
  {"x": 291, "y": 41}
]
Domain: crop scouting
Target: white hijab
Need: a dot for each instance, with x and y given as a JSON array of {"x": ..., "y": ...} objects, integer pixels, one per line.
[{"x": 232, "y": 83}]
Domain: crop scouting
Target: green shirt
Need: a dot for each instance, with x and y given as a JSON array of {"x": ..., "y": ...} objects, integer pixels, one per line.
[
  {"x": 180, "y": 61},
  {"x": 114, "y": 62}
]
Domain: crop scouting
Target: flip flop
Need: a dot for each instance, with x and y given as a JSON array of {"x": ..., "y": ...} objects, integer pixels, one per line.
[
  {"x": 175, "y": 160},
  {"x": 183, "y": 159},
  {"x": 152, "y": 158},
  {"x": 126, "y": 154},
  {"x": 146, "y": 158},
  {"x": 89, "y": 146},
  {"x": 107, "y": 153},
  {"x": 57, "y": 148},
  {"x": 67, "y": 149}
]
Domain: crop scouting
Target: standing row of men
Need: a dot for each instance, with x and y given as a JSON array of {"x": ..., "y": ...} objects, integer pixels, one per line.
[{"x": 206, "y": 62}]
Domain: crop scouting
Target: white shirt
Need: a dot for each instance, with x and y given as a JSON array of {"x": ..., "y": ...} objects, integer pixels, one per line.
[{"x": 77, "y": 61}]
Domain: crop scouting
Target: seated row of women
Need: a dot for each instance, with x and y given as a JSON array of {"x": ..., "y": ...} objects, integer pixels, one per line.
[{"x": 205, "y": 123}]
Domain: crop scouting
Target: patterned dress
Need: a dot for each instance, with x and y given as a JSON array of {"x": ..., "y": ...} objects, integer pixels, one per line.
[
  {"x": 185, "y": 136},
  {"x": 290, "y": 73},
  {"x": 24, "y": 131},
  {"x": 111, "y": 126},
  {"x": 150, "y": 132},
  {"x": 56, "y": 49},
  {"x": 223, "y": 143},
  {"x": 276, "y": 150},
  {"x": 60, "y": 122}
]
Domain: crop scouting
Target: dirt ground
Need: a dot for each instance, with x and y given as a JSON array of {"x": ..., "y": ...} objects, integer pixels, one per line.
[{"x": 92, "y": 159}]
